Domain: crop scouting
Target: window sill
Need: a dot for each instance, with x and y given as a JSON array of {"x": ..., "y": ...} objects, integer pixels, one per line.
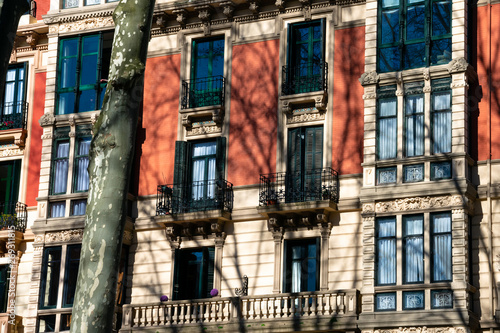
[{"x": 73, "y": 119}]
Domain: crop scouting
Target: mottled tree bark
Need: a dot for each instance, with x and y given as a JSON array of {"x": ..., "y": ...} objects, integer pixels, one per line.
[
  {"x": 111, "y": 156},
  {"x": 10, "y": 13}
]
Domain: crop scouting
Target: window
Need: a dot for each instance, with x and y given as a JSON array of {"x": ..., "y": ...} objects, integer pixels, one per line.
[
  {"x": 413, "y": 247},
  {"x": 9, "y": 185},
  {"x": 4, "y": 287},
  {"x": 386, "y": 251},
  {"x": 413, "y": 300},
  {"x": 305, "y": 163},
  {"x": 301, "y": 265},
  {"x": 306, "y": 66},
  {"x": 413, "y": 33},
  {"x": 13, "y": 104},
  {"x": 70, "y": 178},
  {"x": 414, "y": 119},
  {"x": 199, "y": 174},
  {"x": 82, "y": 72},
  {"x": 76, "y": 3},
  {"x": 194, "y": 273},
  {"x": 441, "y": 247},
  {"x": 387, "y": 127},
  {"x": 207, "y": 69},
  {"x": 441, "y": 116},
  {"x": 385, "y": 301}
]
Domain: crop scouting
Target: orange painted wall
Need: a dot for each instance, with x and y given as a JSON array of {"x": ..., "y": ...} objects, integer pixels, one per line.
[
  {"x": 156, "y": 139},
  {"x": 487, "y": 64},
  {"x": 253, "y": 118},
  {"x": 34, "y": 138},
  {"x": 347, "y": 138},
  {"x": 42, "y": 7}
]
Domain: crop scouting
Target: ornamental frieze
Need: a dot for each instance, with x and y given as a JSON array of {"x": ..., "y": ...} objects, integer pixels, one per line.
[
  {"x": 401, "y": 205},
  {"x": 64, "y": 236},
  {"x": 204, "y": 130},
  {"x": 422, "y": 329},
  {"x": 305, "y": 118},
  {"x": 85, "y": 24},
  {"x": 7, "y": 152}
]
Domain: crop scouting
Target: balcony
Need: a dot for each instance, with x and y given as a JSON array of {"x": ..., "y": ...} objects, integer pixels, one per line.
[
  {"x": 306, "y": 311},
  {"x": 203, "y": 99},
  {"x": 288, "y": 194},
  {"x": 304, "y": 85},
  {"x": 13, "y": 214},
  {"x": 13, "y": 122},
  {"x": 196, "y": 202}
]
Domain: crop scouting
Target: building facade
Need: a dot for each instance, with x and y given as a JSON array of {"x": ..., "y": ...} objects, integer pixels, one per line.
[{"x": 300, "y": 166}]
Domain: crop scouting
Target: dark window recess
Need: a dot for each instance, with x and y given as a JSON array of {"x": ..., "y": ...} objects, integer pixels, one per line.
[
  {"x": 193, "y": 273},
  {"x": 14, "y": 107},
  {"x": 301, "y": 265},
  {"x": 306, "y": 69}
]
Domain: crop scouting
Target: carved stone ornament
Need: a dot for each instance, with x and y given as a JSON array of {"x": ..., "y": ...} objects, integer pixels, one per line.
[
  {"x": 204, "y": 12},
  {"x": 227, "y": 9},
  {"x": 406, "y": 204},
  {"x": 427, "y": 74},
  {"x": 369, "y": 96},
  {"x": 64, "y": 236},
  {"x": 280, "y": 4},
  {"x": 181, "y": 16},
  {"x": 458, "y": 65},
  {"x": 422, "y": 329},
  {"x": 306, "y": 9},
  {"x": 305, "y": 118},
  {"x": 368, "y": 208},
  {"x": 254, "y": 7},
  {"x": 369, "y": 78},
  {"x": 31, "y": 37},
  {"x": 11, "y": 152},
  {"x": 217, "y": 227},
  {"x": 71, "y": 120},
  {"x": 86, "y": 24},
  {"x": 204, "y": 130},
  {"x": 128, "y": 236},
  {"x": 427, "y": 89},
  {"x": 39, "y": 238},
  {"x": 48, "y": 119},
  {"x": 161, "y": 20},
  {"x": 186, "y": 121}
]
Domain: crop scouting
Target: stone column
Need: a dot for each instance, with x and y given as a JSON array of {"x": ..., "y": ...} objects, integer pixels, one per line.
[
  {"x": 325, "y": 230},
  {"x": 278, "y": 240},
  {"x": 219, "y": 247}
]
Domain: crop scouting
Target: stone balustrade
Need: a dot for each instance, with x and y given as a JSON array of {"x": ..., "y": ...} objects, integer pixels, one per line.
[{"x": 235, "y": 310}]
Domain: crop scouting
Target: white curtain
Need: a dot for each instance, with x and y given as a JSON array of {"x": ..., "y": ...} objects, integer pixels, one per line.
[
  {"x": 414, "y": 125},
  {"x": 441, "y": 132},
  {"x": 10, "y": 86},
  {"x": 82, "y": 173},
  {"x": 61, "y": 168},
  {"x": 387, "y": 131},
  {"x": 414, "y": 270},
  {"x": 442, "y": 247},
  {"x": 79, "y": 207},
  {"x": 386, "y": 247},
  {"x": 202, "y": 165},
  {"x": 58, "y": 209}
]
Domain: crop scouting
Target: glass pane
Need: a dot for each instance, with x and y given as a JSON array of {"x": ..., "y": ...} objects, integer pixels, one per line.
[
  {"x": 389, "y": 3},
  {"x": 413, "y": 173},
  {"x": 415, "y": 22},
  {"x": 387, "y": 138},
  {"x": 441, "y": 101},
  {"x": 72, "y": 264},
  {"x": 47, "y": 323},
  {"x": 441, "y": 170},
  {"x": 70, "y": 3},
  {"x": 389, "y": 59},
  {"x": 66, "y": 103},
  {"x": 441, "y": 51},
  {"x": 91, "y": 43},
  {"x": 78, "y": 207},
  {"x": 68, "y": 73},
  {"x": 441, "y": 223},
  {"x": 441, "y": 299},
  {"x": 441, "y": 18},
  {"x": 386, "y": 227},
  {"x": 70, "y": 46},
  {"x": 386, "y": 175},
  {"x": 442, "y": 257},
  {"x": 390, "y": 26},
  {"x": 87, "y": 100},
  {"x": 65, "y": 322},
  {"x": 414, "y": 55},
  {"x": 89, "y": 69},
  {"x": 441, "y": 132},
  {"x": 204, "y": 149},
  {"x": 11, "y": 75},
  {"x": 50, "y": 280},
  {"x": 57, "y": 209},
  {"x": 413, "y": 300},
  {"x": 386, "y": 272},
  {"x": 386, "y": 301},
  {"x": 92, "y": 2},
  {"x": 82, "y": 163}
]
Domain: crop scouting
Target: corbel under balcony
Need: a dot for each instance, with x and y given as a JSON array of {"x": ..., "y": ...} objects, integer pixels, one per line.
[{"x": 318, "y": 99}]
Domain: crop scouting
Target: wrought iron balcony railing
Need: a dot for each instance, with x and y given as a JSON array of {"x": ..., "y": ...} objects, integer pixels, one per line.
[
  {"x": 13, "y": 214},
  {"x": 304, "y": 78},
  {"x": 203, "y": 92},
  {"x": 13, "y": 115},
  {"x": 194, "y": 197},
  {"x": 288, "y": 187}
]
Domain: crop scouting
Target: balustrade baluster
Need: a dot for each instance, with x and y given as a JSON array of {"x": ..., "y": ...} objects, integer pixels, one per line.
[
  {"x": 161, "y": 315},
  {"x": 341, "y": 300},
  {"x": 143, "y": 316},
  {"x": 154, "y": 316},
  {"x": 306, "y": 305}
]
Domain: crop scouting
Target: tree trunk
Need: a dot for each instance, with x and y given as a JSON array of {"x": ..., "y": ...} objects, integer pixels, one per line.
[
  {"x": 10, "y": 13},
  {"x": 111, "y": 157}
]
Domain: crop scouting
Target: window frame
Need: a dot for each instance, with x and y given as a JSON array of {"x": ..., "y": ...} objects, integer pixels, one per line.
[
  {"x": 288, "y": 262},
  {"x": 406, "y": 237},
  {"x": 433, "y": 234},
  {"x": 395, "y": 249},
  {"x": 207, "y": 273},
  {"x": 18, "y": 101}
]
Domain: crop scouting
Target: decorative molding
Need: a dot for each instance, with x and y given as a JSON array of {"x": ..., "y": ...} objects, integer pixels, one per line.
[
  {"x": 368, "y": 208},
  {"x": 48, "y": 119},
  {"x": 280, "y": 4},
  {"x": 369, "y": 96},
  {"x": 204, "y": 130},
  {"x": 254, "y": 7},
  {"x": 406, "y": 204},
  {"x": 305, "y": 118},
  {"x": 181, "y": 16},
  {"x": 369, "y": 78},
  {"x": 228, "y": 9},
  {"x": 204, "y": 13},
  {"x": 422, "y": 329},
  {"x": 72, "y": 18},
  {"x": 457, "y": 65},
  {"x": 427, "y": 75},
  {"x": 32, "y": 37},
  {"x": 86, "y": 24},
  {"x": 64, "y": 236},
  {"x": 11, "y": 152},
  {"x": 47, "y": 136},
  {"x": 427, "y": 89},
  {"x": 161, "y": 20},
  {"x": 39, "y": 239}
]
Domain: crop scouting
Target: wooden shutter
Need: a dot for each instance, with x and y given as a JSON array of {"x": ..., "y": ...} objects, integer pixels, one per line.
[
  {"x": 177, "y": 266},
  {"x": 220, "y": 159}
]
